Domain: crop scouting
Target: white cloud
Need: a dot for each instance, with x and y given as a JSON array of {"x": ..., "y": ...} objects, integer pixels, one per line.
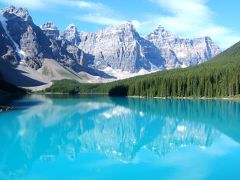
[
  {"x": 90, "y": 5},
  {"x": 106, "y": 20},
  {"x": 38, "y": 4},
  {"x": 190, "y": 18},
  {"x": 98, "y": 13}
]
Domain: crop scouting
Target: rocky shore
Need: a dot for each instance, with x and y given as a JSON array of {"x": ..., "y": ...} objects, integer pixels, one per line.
[{"x": 5, "y": 108}]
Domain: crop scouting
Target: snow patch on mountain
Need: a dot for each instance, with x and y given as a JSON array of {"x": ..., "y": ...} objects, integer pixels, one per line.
[
  {"x": 20, "y": 52},
  {"x": 119, "y": 74}
]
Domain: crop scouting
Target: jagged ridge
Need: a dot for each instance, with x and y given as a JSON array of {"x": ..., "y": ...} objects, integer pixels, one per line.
[{"x": 114, "y": 48}]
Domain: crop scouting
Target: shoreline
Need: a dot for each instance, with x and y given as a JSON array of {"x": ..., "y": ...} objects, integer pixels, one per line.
[
  {"x": 187, "y": 98},
  {"x": 58, "y": 93},
  {"x": 145, "y": 97}
]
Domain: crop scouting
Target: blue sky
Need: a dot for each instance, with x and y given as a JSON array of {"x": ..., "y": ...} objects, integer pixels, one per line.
[{"x": 187, "y": 18}]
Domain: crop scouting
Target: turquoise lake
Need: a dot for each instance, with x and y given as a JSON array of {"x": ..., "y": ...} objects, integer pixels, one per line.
[{"x": 54, "y": 137}]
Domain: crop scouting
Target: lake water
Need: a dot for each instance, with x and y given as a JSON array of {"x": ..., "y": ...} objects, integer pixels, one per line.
[{"x": 119, "y": 138}]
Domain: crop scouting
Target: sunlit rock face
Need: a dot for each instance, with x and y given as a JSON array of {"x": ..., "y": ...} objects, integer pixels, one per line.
[
  {"x": 71, "y": 34},
  {"x": 182, "y": 52},
  {"x": 120, "y": 47}
]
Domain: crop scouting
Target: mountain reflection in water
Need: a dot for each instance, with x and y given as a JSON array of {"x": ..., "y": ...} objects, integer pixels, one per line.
[{"x": 41, "y": 128}]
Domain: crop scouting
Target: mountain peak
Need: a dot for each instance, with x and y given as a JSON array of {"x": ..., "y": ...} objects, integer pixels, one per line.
[
  {"x": 49, "y": 26},
  {"x": 125, "y": 28},
  {"x": 20, "y": 12},
  {"x": 126, "y": 25},
  {"x": 182, "y": 52},
  {"x": 71, "y": 34},
  {"x": 72, "y": 27},
  {"x": 161, "y": 31},
  {"x": 51, "y": 30}
]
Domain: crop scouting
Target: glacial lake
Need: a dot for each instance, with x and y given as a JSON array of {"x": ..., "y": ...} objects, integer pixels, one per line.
[{"x": 119, "y": 138}]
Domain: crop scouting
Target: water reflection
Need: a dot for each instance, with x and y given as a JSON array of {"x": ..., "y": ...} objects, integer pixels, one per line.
[{"x": 117, "y": 128}]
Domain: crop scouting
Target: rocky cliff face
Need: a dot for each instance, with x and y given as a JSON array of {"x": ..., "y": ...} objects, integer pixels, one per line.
[
  {"x": 31, "y": 56},
  {"x": 27, "y": 43},
  {"x": 71, "y": 34},
  {"x": 24, "y": 42},
  {"x": 180, "y": 52},
  {"x": 120, "y": 47},
  {"x": 7, "y": 49},
  {"x": 64, "y": 49}
]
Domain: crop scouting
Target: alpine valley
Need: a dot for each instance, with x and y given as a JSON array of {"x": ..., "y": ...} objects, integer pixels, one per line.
[{"x": 32, "y": 57}]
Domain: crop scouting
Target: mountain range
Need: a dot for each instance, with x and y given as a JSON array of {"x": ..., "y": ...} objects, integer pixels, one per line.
[
  {"x": 33, "y": 56},
  {"x": 217, "y": 78}
]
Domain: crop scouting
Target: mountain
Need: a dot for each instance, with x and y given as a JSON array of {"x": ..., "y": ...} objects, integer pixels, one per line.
[
  {"x": 182, "y": 52},
  {"x": 71, "y": 34},
  {"x": 24, "y": 42},
  {"x": 50, "y": 30},
  {"x": 219, "y": 77},
  {"x": 64, "y": 51},
  {"x": 39, "y": 55},
  {"x": 34, "y": 44},
  {"x": 31, "y": 57},
  {"x": 120, "y": 47},
  {"x": 216, "y": 78}
]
